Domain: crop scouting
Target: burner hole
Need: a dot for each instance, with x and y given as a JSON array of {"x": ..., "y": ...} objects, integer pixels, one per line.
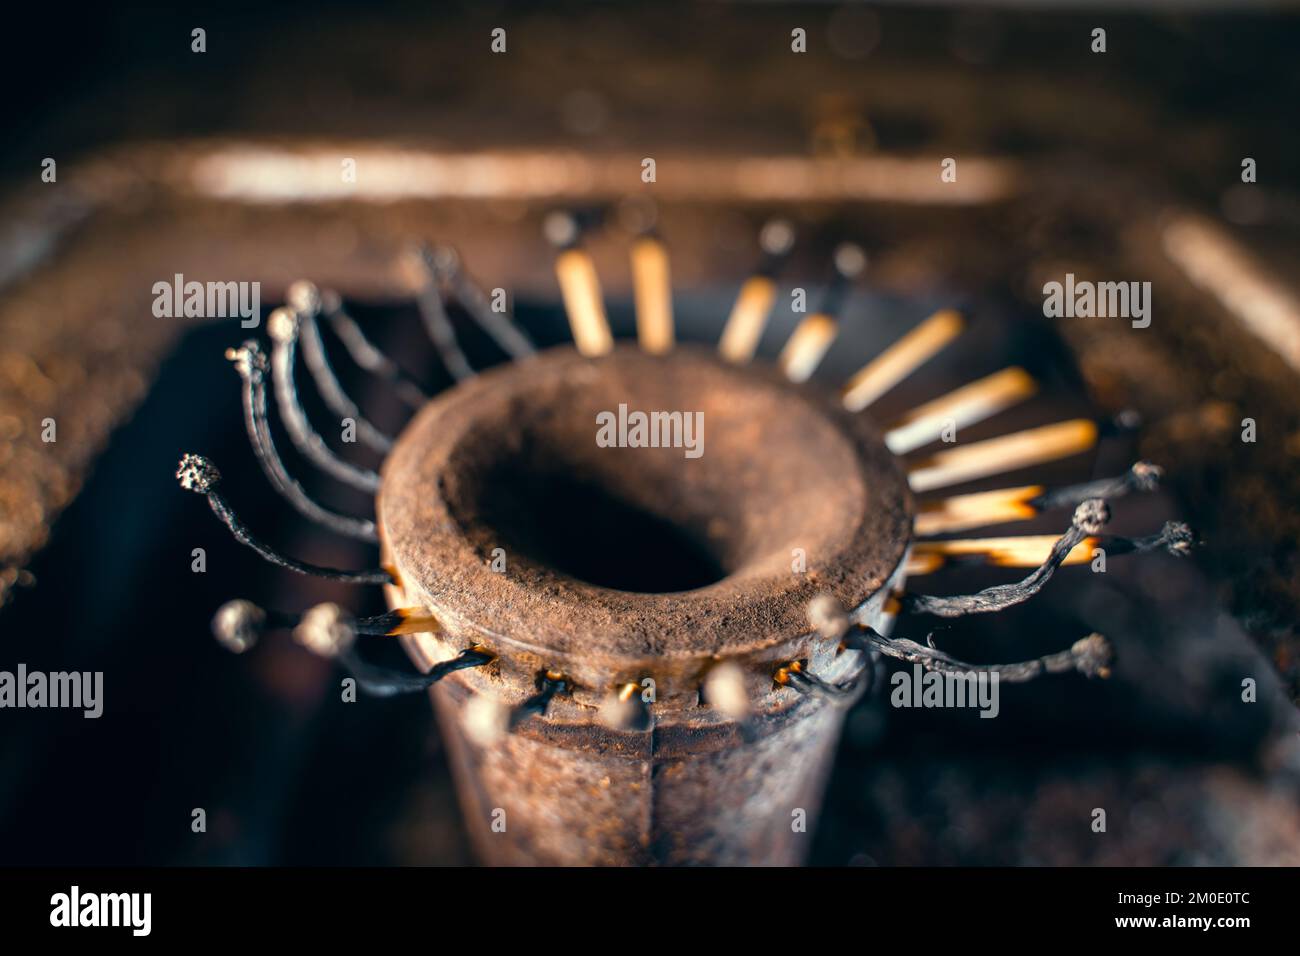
[
  {"x": 775, "y": 490},
  {"x": 580, "y": 527}
]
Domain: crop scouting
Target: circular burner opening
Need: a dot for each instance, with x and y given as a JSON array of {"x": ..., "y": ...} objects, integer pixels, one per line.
[
  {"x": 738, "y": 479},
  {"x": 720, "y": 534},
  {"x": 579, "y": 526}
]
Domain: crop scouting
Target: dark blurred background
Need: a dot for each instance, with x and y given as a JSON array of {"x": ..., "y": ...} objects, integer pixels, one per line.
[{"x": 1096, "y": 154}]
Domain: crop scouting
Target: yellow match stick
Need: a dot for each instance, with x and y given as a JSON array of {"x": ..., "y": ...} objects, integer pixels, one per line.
[
  {"x": 807, "y": 346},
  {"x": 901, "y": 359},
  {"x": 415, "y": 620},
  {"x": 654, "y": 295},
  {"x": 582, "y": 300},
  {"x": 918, "y": 565},
  {"x": 809, "y": 342},
  {"x": 1026, "y": 551},
  {"x": 965, "y": 406},
  {"x": 753, "y": 305},
  {"x": 1004, "y": 453},
  {"x": 748, "y": 317},
  {"x": 960, "y": 512}
]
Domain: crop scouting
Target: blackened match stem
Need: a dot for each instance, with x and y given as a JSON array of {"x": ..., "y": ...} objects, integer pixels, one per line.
[
  {"x": 283, "y": 328},
  {"x": 1142, "y": 476},
  {"x": 536, "y": 706},
  {"x": 239, "y": 624},
  {"x": 1175, "y": 537},
  {"x": 228, "y": 517},
  {"x": 369, "y": 356},
  {"x": 327, "y": 383},
  {"x": 1088, "y": 520},
  {"x": 386, "y": 682},
  {"x": 796, "y": 676},
  {"x": 445, "y": 264},
  {"x": 1091, "y": 656},
  {"x": 433, "y": 312},
  {"x": 199, "y": 475},
  {"x": 848, "y": 263},
  {"x": 251, "y": 363},
  {"x": 983, "y": 508}
]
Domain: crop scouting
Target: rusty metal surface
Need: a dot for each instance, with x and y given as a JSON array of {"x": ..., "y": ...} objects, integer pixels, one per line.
[
  {"x": 485, "y": 465},
  {"x": 710, "y": 798}
]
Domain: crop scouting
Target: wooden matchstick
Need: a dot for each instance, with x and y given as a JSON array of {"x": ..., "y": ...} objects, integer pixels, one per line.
[
  {"x": 901, "y": 359},
  {"x": 1002, "y": 454},
  {"x": 654, "y": 295},
  {"x": 748, "y": 317},
  {"x": 1025, "y": 551},
  {"x": 582, "y": 301},
  {"x": 965, "y": 406},
  {"x": 960, "y": 512},
  {"x": 412, "y": 620},
  {"x": 807, "y": 346}
]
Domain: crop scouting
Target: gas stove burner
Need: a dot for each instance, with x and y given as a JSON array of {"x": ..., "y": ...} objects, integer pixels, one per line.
[{"x": 644, "y": 581}]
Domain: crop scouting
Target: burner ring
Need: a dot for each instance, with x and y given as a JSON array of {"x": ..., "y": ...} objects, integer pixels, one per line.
[{"x": 784, "y": 472}]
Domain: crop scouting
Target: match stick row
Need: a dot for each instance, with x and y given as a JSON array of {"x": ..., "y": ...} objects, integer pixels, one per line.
[{"x": 808, "y": 345}]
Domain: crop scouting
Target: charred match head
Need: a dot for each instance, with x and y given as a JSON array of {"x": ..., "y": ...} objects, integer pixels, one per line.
[
  {"x": 197, "y": 474},
  {"x": 238, "y": 625}
]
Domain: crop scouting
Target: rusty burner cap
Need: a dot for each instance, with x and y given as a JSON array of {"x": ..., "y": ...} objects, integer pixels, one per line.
[{"x": 625, "y": 562}]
